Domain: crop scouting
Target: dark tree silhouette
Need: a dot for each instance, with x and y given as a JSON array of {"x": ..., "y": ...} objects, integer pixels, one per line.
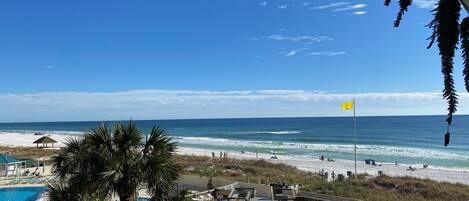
[{"x": 447, "y": 32}]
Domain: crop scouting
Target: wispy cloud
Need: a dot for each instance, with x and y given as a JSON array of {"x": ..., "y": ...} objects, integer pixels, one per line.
[
  {"x": 263, "y": 3},
  {"x": 293, "y": 52},
  {"x": 427, "y": 4},
  {"x": 279, "y": 37},
  {"x": 351, "y": 7},
  {"x": 283, "y": 6},
  {"x": 331, "y": 5},
  {"x": 328, "y": 53},
  {"x": 304, "y": 41},
  {"x": 360, "y": 12},
  {"x": 162, "y": 104}
]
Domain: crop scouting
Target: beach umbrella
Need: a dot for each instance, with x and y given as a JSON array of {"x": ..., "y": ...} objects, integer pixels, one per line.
[{"x": 44, "y": 141}]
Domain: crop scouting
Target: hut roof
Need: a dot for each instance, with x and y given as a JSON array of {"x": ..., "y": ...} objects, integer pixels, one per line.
[{"x": 44, "y": 139}]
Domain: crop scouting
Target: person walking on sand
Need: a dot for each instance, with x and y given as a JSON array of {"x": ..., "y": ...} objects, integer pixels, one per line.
[{"x": 333, "y": 175}]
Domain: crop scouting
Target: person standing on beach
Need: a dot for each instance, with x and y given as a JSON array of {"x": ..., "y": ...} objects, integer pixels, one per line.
[{"x": 333, "y": 175}]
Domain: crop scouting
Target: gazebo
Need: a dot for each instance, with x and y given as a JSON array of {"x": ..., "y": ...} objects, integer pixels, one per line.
[
  {"x": 9, "y": 165},
  {"x": 44, "y": 141}
]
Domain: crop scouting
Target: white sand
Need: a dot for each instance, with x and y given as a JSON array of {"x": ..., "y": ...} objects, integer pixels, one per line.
[
  {"x": 451, "y": 175},
  {"x": 342, "y": 166},
  {"x": 27, "y": 139}
]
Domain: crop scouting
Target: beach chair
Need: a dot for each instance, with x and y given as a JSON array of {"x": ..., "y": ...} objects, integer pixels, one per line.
[
  {"x": 283, "y": 194},
  {"x": 252, "y": 191},
  {"x": 222, "y": 194},
  {"x": 411, "y": 168},
  {"x": 241, "y": 194}
]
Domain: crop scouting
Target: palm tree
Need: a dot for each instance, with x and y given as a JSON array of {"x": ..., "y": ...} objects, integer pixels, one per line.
[
  {"x": 447, "y": 32},
  {"x": 210, "y": 172},
  {"x": 116, "y": 162}
]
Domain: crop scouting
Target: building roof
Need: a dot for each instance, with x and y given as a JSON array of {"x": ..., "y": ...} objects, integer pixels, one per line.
[{"x": 44, "y": 139}]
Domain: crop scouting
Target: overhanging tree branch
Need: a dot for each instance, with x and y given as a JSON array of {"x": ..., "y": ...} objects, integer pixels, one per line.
[{"x": 446, "y": 32}]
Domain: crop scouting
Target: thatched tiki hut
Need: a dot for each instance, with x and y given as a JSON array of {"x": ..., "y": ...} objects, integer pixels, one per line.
[{"x": 44, "y": 141}]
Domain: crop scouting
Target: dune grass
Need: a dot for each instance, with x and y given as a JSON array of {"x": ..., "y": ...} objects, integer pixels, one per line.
[
  {"x": 383, "y": 188},
  {"x": 27, "y": 152}
]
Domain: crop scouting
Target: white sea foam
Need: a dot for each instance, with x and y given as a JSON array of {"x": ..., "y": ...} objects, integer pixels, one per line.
[
  {"x": 46, "y": 132},
  {"x": 285, "y": 132},
  {"x": 377, "y": 150}
]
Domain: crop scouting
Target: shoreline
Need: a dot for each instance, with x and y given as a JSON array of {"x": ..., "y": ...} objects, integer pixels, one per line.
[
  {"x": 342, "y": 166},
  {"x": 305, "y": 163}
]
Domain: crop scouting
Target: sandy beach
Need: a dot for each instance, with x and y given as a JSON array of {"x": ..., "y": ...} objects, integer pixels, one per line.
[
  {"x": 27, "y": 139},
  {"x": 452, "y": 175},
  {"x": 342, "y": 166}
]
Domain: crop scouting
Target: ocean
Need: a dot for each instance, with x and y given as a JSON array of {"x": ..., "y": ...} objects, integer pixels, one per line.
[{"x": 404, "y": 139}]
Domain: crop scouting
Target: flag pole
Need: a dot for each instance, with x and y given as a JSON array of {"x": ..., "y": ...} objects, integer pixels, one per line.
[{"x": 355, "y": 137}]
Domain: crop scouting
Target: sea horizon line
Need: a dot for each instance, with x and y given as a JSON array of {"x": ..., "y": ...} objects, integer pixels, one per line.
[{"x": 235, "y": 118}]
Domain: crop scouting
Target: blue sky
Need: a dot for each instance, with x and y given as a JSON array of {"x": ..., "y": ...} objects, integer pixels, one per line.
[{"x": 55, "y": 52}]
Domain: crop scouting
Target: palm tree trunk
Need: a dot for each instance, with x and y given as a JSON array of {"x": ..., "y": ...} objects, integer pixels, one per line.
[{"x": 210, "y": 183}]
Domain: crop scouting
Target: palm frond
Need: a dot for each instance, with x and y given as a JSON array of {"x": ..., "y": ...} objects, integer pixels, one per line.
[
  {"x": 162, "y": 171},
  {"x": 159, "y": 144},
  {"x": 60, "y": 192},
  {"x": 465, "y": 49},
  {"x": 161, "y": 177},
  {"x": 387, "y": 2},
  {"x": 403, "y": 6},
  {"x": 112, "y": 162},
  {"x": 445, "y": 26}
]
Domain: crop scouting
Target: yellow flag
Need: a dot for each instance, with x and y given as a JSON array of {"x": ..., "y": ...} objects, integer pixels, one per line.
[{"x": 347, "y": 105}]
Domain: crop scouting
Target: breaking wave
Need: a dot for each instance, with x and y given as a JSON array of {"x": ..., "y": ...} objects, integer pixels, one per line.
[
  {"x": 376, "y": 150},
  {"x": 46, "y": 132},
  {"x": 286, "y": 132}
]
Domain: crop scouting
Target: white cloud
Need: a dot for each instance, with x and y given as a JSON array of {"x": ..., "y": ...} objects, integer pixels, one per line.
[
  {"x": 332, "y": 5},
  {"x": 263, "y": 3},
  {"x": 279, "y": 37},
  {"x": 351, "y": 7},
  {"x": 304, "y": 40},
  {"x": 360, "y": 12},
  {"x": 282, "y": 6},
  {"x": 49, "y": 67},
  {"x": 163, "y": 104},
  {"x": 293, "y": 52},
  {"x": 329, "y": 53},
  {"x": 427, "y": 4}
]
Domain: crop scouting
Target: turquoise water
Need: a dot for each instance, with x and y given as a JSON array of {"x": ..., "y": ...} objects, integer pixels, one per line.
[
  {"x": 21, "y": 194},
  {"x": 407, "y": 139}
]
